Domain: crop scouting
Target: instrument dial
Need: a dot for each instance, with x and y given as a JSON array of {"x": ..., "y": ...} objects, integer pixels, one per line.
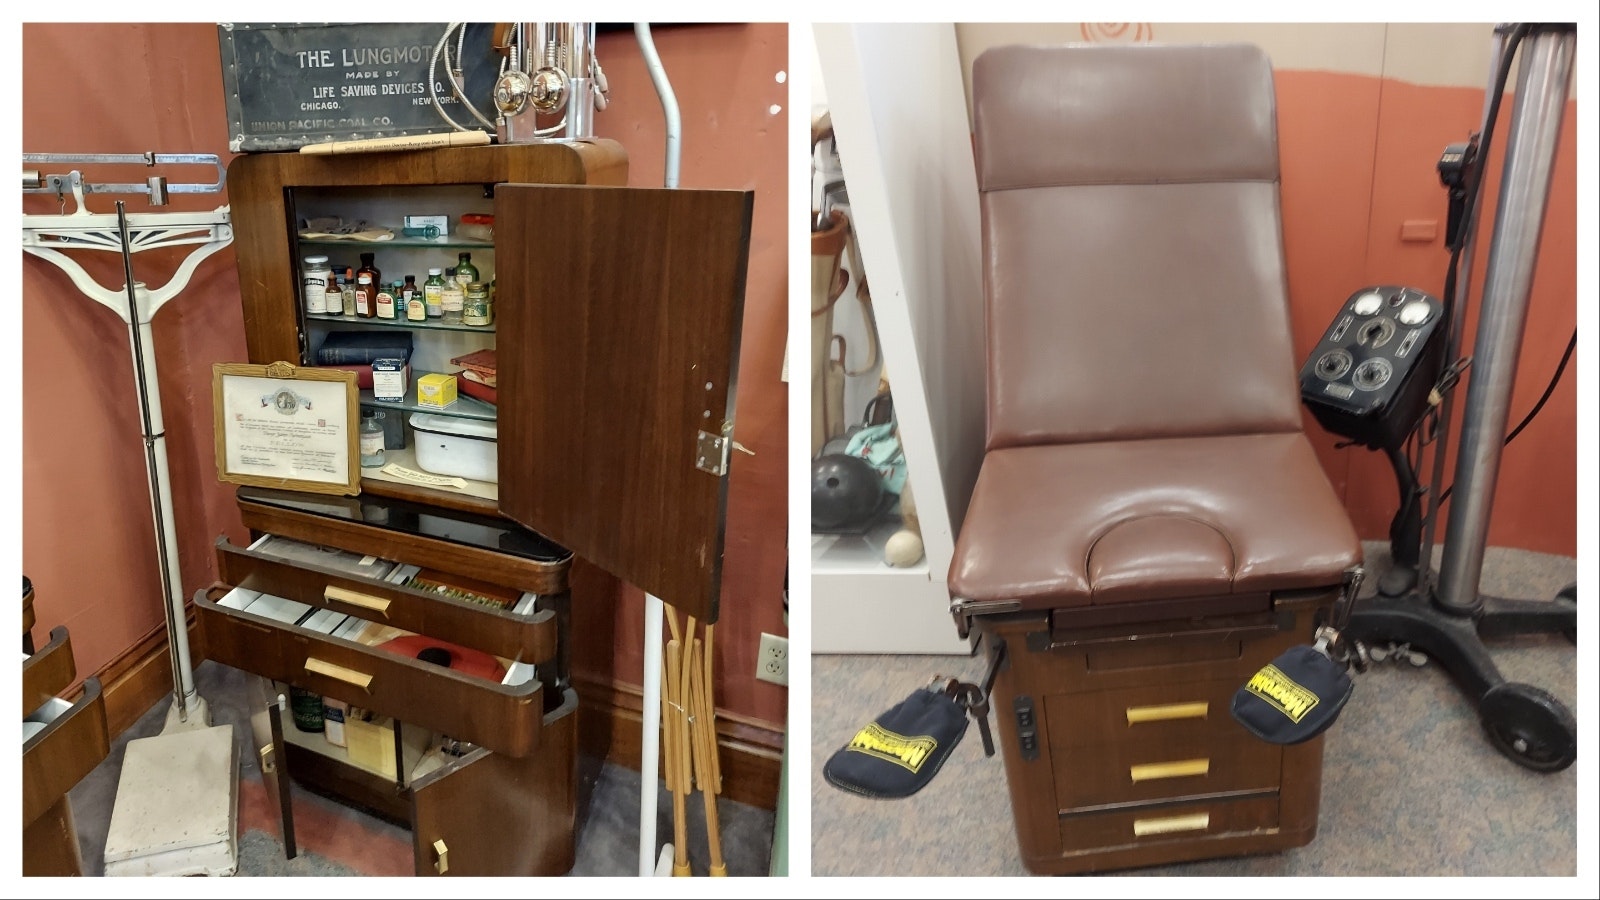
[
  {"x": 1414, "y": 313},
  {"x": 1332, "y": 365},
  {"x": 1367, "y": 303},
  {"x": 1372, "y": 374}
]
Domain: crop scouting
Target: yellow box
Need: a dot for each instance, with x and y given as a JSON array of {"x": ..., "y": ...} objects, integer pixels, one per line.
[
  {"x": 369, "y": 739},
  {"x": 436, "y": 390}
]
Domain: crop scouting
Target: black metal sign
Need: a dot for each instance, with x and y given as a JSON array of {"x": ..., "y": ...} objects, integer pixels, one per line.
[{"x": 289, "y": 85}]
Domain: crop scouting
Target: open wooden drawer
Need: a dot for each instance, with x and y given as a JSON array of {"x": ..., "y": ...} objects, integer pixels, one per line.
[
  {"x": 494, "y": 550},
  {"x": 504, "y": 633},
  {"x": 72, "y": 742},
  {"x": 503, "y": 717},
  {"x": 47, "y": 672}
]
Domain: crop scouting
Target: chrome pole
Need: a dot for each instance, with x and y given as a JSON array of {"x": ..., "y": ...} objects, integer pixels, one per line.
[
  {"x": 1454, "y": 329},
  {"x": 1531, "y": 144}
]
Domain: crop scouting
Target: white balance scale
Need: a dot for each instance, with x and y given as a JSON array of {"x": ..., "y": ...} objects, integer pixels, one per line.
[{"x": 176, "y": 809}]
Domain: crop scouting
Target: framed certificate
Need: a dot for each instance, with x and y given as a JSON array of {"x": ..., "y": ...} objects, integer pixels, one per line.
[{"x": 283, "y": 426}]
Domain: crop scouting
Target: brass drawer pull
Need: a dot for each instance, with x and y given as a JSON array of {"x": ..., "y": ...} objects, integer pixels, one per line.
[
  {"x": 1193, "y": 822},
  {"x": 1196, "y": 710},
  {"x": 268, "y": 764},
  {"x": 365, "y": 601},
  {"x": 1179, "y": 769},
  {"x": 443, "y": 852},
  {"x": 348, "y": 676}
]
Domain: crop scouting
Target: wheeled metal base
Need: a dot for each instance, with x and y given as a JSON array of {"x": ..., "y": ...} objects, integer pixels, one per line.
[{"x": 1523, "y": 722}]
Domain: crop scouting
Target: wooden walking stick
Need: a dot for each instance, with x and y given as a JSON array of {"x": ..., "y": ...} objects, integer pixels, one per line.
[{"x": 707, "y": 773}]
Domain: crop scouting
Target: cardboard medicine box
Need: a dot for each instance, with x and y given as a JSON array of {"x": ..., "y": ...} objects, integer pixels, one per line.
[
  {"x": 436, "y": 390},
  {"x": 389, "y": 380}
]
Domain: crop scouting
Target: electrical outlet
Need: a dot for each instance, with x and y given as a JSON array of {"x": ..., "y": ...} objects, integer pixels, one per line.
[{"x": 772, "y": 661}]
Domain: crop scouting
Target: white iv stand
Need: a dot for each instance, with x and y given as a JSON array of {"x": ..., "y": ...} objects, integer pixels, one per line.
[
  {"x": 654, "y": 608},
  {"x": 48, "y": 237}
]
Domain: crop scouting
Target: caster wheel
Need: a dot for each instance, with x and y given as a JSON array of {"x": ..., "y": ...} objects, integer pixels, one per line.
[
  {"x": 1531, "y": 727},
  {"x": 1569, "y": 594}
]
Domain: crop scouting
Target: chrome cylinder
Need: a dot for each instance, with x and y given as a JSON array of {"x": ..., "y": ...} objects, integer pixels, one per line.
[
  {"x": 1454, "y": 327},
  {"x": 1531, "y": 143}
]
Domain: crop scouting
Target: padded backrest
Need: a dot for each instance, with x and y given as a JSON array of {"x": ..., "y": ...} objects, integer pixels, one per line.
[{"x": 1133, "y": 255}]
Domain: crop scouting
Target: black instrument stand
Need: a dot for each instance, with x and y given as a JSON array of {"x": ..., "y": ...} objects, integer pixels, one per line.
[{"x": 1449, "y": 621}]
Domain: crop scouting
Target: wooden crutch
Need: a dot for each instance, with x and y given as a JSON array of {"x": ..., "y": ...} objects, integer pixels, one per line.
[
  {"x": 675, "y": 735},
  {"x": 708, "y": 775}
]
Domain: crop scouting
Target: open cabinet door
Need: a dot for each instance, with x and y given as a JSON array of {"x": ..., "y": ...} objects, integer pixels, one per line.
[
  {"x": 266, "y": 732},
  {"x": 618, "y": 314}
]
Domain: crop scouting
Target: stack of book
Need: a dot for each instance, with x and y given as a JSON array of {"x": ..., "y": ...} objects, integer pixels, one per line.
[
  {"x": 477, "y": 375},
  {"x": 355, "y": 351}
]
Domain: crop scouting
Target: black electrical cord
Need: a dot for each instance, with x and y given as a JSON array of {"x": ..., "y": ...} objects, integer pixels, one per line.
[
  {"x": 1474, "y": 190},
  {"x": 1549, "y": 389}
]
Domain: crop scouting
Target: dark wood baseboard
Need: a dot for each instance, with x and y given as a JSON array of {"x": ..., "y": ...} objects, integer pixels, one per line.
[
  {"x": 750, "y": 751},
  {"x": 608, "y": 725},
  {"x": 140, "y": 678}
]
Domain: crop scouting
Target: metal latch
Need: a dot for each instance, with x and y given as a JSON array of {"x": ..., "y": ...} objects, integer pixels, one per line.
[{"x": 711, "y": 452}]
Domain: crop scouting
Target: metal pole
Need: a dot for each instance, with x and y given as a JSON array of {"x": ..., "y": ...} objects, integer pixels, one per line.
[
  {"x": 654, "y": 607},
  {"x": 1454, "y": 328},
  {"x": 1541, "y": 100},
  {"x": 650, "y": 736},
  {"x": 141, "y": 341}
]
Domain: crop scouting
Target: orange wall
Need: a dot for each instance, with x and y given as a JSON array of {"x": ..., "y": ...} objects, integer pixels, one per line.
[
  {"x": 1359, "y": 155},
  {"x": 88, "y": 543}
]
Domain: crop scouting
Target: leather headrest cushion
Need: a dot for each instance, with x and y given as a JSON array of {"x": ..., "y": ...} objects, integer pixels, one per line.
[{"x": 1133, "y": 114}]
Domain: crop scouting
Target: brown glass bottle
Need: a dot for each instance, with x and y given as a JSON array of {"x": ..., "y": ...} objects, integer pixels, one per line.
[{"x": 368, "y": 280}]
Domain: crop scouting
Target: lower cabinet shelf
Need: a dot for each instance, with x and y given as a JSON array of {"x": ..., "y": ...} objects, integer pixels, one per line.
[{"x": 478, "y": 813}]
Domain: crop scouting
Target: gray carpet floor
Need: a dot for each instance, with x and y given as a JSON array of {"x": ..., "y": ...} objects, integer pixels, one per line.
[
  {"x": 1411, "y": 785},
  {"x": 608, "y": 822}
]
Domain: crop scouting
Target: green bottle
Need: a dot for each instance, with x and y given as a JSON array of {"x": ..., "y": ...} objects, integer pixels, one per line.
[{"x": 466, "y": 272}]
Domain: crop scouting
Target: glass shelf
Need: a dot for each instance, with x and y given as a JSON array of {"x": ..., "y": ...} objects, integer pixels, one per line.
[
  {"x": 464, "y": 408},
  {"x": 424, "y": 325},
  {"x": 448, "y": 241}
]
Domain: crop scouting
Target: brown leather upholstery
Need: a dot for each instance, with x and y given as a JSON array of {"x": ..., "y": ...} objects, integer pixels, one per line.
[{"x": 1144, "y": 430}]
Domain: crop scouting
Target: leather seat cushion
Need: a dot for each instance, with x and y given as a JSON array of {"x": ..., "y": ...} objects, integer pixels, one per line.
[{"x": 1070, "y": 525}]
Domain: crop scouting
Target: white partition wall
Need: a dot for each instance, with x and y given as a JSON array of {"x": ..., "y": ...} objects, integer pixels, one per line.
[{"x": 898, "y": 106}]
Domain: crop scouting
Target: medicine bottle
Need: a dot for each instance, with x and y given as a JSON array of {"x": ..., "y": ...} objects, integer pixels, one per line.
[
  {"x": 314, "y": 275},
  {"x": 433, "y": 294},
  {"x": 412, "y": 301},
  {"x": 333, "y": 298},
  {"x": 371, "y": 438},
  {"x": 347, "y": 291},
  {"x": 451, "y": 298},
  {"x": 386, "y": 300},
  {"x": 466, "y": 272},
  {"x": 366, "y": 295}
]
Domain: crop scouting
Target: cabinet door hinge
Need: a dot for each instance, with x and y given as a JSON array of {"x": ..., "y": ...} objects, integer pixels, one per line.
[{"x": 711, "y": 450}]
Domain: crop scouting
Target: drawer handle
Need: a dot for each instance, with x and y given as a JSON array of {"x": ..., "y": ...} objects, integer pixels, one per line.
[
  {"x": 365, "y": 601},
  {"x": 348, "y": 676},
  {"x": 443, "y": 852},
  {"x": 1196, "y": 710},
  {"x": 1194, "y": 822},
  {"x": 1179, "y": 769},
  {"x": 268, "y": 765}
]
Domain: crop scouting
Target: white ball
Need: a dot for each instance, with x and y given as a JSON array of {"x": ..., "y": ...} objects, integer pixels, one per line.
[{"x": 903, "y": 549}]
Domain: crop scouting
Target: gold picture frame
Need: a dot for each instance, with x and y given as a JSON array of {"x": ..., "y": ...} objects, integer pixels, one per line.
[{"x": 286, "y": 426}]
